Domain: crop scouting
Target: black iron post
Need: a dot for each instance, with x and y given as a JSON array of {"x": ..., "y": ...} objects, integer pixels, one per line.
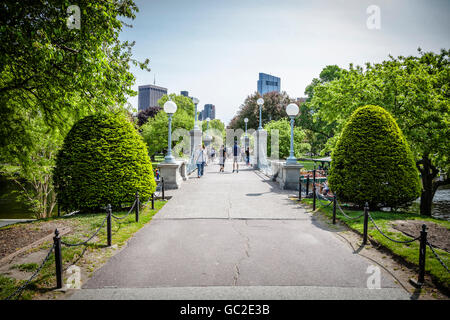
[
  {"x": 58, "y": 259},
  {"x": 108, "y": 224},
  {"x": 307, "y": 186},
  {"x": 314, "y": 188},
  {"x": 137, "y": 206},
  {"x": 422, "y": 255},
  {"x": 162, "y": 187},
  {"x": 153, "y": 201},
  {"x": 366, "y": 221},
  {"x": 299, "y": 188},
  {"x": 334, "y": 209}
]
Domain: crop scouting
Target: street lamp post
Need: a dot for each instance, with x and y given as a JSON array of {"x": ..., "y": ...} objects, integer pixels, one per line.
[
  {"x": 260, "y": 103},
  {"x": 195, "y": 101},
  {"x": 246, "y": 120},
  {"x": 170, "y": 108},
  {"x": 292, "y": 111}
]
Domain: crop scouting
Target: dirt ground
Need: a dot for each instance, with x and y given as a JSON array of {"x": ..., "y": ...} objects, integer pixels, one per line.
[
  {"x": 437, "y": 235},
  {"x": 18, "y": 236}
]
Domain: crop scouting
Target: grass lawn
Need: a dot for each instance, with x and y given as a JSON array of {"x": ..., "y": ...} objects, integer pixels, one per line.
[
  {"x": 409, "y": 251},
  {"x": 88, "y": 257}
]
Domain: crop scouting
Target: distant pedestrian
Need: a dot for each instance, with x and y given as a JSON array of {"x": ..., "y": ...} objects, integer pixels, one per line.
[
  {"x": 247, "y": 156},
  {"x": 205, "y": 158},
  {"x": 236, "y": 153},
  {"x": 213, "y": 154},
  {"x": 200, "y": 158},
  {"x": 222, "y": 157}
]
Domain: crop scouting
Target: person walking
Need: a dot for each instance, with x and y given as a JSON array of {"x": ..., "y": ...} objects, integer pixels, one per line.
[
  {"x": 236, "y": 153},
  {"x": 205, "y": 158},
  {"x": 213, "y": 154},
  {"x": 222, "y": 157},
  {"x": 199, "y": 160},
  {"x": 247, "y": 156}
]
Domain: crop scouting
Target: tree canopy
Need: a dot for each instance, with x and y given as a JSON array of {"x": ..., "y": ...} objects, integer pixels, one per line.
[
  {"x": 415, "y": 90},
  {"x": 284, "y": 135},
  {"x": 57, "y": 72},
  {"x": 274, "y": 108}
]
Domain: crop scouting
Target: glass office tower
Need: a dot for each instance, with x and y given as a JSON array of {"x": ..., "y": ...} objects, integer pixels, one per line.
[
  {"x": 268, "y": 83},
  {"x": 149, "y": 96}
]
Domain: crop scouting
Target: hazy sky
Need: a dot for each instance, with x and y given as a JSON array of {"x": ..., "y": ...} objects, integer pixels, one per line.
[{"x": 215, "y": 48}]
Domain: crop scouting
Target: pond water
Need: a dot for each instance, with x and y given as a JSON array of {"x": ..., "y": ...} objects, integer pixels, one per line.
[
  {"x": 10, "y": 206},
  {"x": 441, "y": 203}
]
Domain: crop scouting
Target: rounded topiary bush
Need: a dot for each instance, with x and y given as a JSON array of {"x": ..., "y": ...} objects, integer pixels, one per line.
[
  {"x": 103, "y": 160},
  {"x": 372, "y": 162}
]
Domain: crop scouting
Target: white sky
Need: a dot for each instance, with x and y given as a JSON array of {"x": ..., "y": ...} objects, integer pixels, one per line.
[{"x": 215, "y": 49}]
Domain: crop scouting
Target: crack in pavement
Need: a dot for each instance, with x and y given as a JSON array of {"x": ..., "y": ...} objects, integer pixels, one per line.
[{"x": 247, "y": 253}]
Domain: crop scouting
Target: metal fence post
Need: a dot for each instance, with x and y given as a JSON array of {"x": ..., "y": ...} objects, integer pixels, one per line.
[
  {"x": 299, "y": 188},
  {"x": 58, "y": 259},
  {"x": 162, "y": 187},
  {"x": 366, "y": 221},
  {"x": 307, "y": 186},
  {"x": 153, "y": 201},
  {"x": 334, "y": 209},
  {"x": 137, "y": 206},
  {"x": 422, "y": 255},
  {"x": 108, "y": 224},
  {"x": 314, "y": 188}
]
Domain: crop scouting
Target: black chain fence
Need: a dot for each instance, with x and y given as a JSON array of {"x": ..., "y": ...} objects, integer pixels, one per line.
[
  {"x": 57, "y": 240},
  {"x": 317, "y": 196}
]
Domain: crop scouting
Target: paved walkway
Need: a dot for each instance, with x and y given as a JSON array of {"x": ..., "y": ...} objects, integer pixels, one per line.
[{"x": 235, "y": 236}]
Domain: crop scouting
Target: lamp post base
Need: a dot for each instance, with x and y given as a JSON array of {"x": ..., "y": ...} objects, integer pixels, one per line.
[
  {"x": 291, "y": 160},
  {"x": 169, "y": 159}
]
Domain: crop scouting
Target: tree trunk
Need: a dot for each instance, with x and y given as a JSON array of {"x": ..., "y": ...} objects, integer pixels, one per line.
[{"x": 429, "y": 186}]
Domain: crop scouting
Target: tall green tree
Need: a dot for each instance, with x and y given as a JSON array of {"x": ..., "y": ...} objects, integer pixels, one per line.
[
  {"x": 52, "y": 75},
  {"x": 274, "y": 108},
  {"x": 318, "y": 131},
  {"x": 415, "y": 90},
  {"x": 50, "y": 69},
  {"x": 155, "y": 131},
  {"x": 284, "y": 139}
]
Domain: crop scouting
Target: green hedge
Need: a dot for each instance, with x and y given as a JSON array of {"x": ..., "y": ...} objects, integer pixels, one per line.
[
  {"x": 372, "y": 162},
  {"x": 103, "y": 160}
]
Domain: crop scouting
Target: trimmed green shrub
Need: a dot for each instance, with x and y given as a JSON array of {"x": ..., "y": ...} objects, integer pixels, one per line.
[
  {"x": 373, "y": 162},
  {"x": 103, "y": 160}
]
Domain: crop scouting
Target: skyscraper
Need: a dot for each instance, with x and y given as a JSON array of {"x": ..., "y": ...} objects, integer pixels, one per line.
[
  {"x": 268, "y": 83},
  {"x": 185, "y": 93},
  {"x": 149, "y": 96},
  {"x": 209, "y": 111}
]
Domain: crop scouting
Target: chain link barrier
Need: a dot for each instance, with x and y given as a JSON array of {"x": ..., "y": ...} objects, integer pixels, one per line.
[
  {"x": 397, "y": 241},
  {"x": 318, "y": 196},
  {"x": 345, "y": 215},
  {"x": 437, "y": 257},
  {"x": 86, "y": 241},
  {"x": 18, "y": 292},
  {"x": 131, "y": 210}
]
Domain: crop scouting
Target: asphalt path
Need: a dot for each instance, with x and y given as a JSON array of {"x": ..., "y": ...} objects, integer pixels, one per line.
[{"x": 235, "y": 236}]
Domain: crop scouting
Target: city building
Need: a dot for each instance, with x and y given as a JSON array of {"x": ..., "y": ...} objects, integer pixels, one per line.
[
  {"x": 268, "y": 83},
  {"x": 149, "y": 96},
  {"x": 185, "y": 93},
  {"x": 209, "y": 111}
]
